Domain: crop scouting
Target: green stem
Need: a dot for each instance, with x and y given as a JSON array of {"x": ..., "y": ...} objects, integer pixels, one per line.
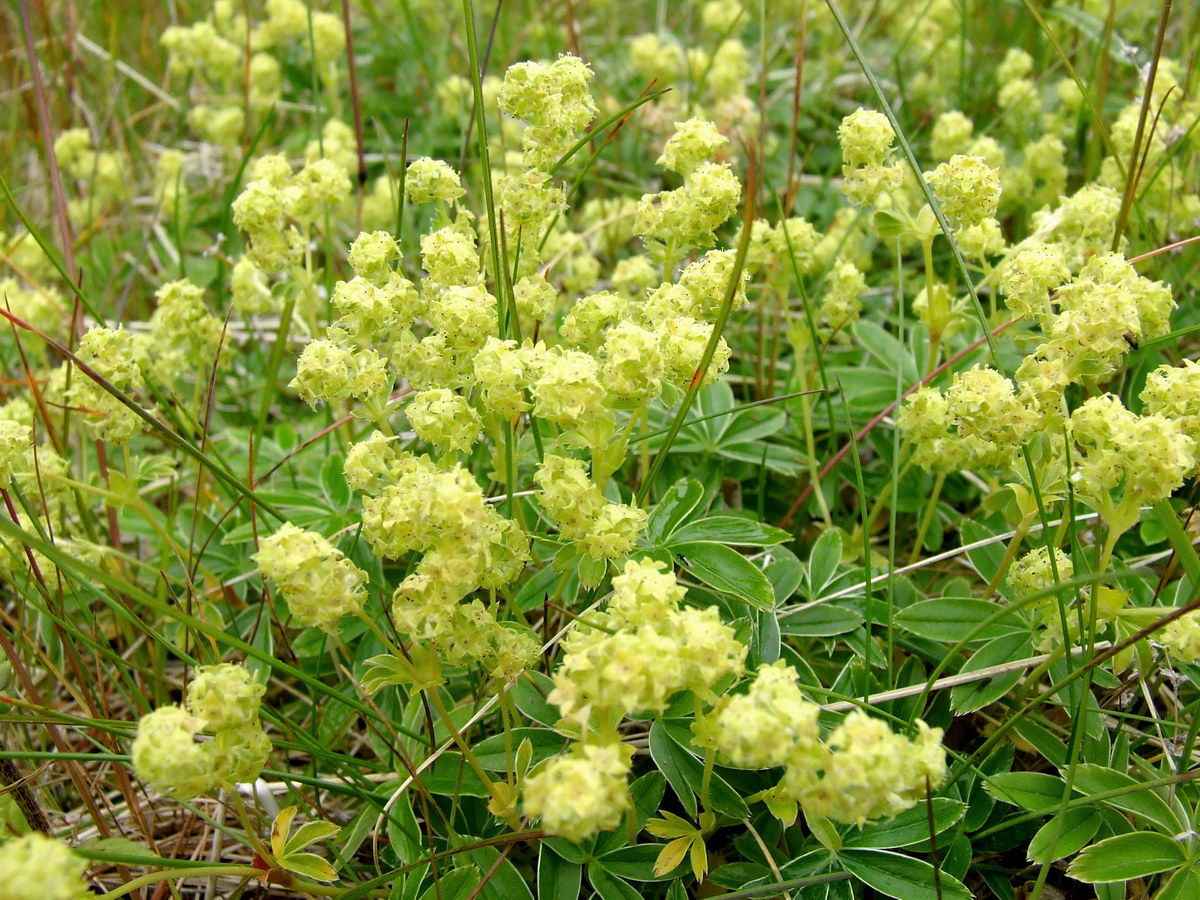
[
  {"x": 229, "y": 871},
  {"x": 435, "y": 698},
  {"x": 927, "y": 518}
]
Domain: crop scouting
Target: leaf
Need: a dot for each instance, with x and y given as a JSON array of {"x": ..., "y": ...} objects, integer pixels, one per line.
[
  {"x": 669, "y": 757},
  {"x": 823, "y": 561},
  {"x": 721, "y": 797},
  {"x": 670, "y": 826},
  {"x": 677, "y": 503},
  {"x": 308, "y": 865},
  {"x": 910, "y": 827},
  {"x": 309, "y": 833},
  {"x": 609, "y": 887},
  {"x": 530, "y": 692},
  {"x": 506, "y": 882},
  {"x": 1183, "y": 885},
  {"x": 1032, "y": 791},
  {"x": 824, "y": 620},
  {"x": 1092, "y": 779},
  {"x": 557, "y": 879},
  {"x": 785, "y": 572},
  {"x": 672, "y": 855},
  {"x": 492, "y": 753},
  {"x": 733, "y": 530},
  {"x": 450, "y": 776},
  {"x": 385, "y": 669},
  {"x": 728, "y": 571},
  {"x": 456, "y": 884},
  {"x": 120, "y": 850},
  {"x": 965, "y": 698},
  {"x": 280, "y": 828},
  {"x": 886, "y": 349},
  {"x": 1078, "y": 826},
  {"x": 634, "y": 862},
  {"x": 900, "y": 876},
  {"x": 954, "y": 618},
  {"x": 1125, "y": 856}
]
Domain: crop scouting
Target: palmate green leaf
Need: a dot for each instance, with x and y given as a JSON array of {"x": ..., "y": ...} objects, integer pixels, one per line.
[
  {"x": 1093, "y": 779},
  {"x": 557, "y": 879},
  {"x": 823, "y": 561},
  {"x": 677, "y": 503},
  {"x": 910, "y": 827},
  {"x": 825, "y": 620},
  {"x": 965, "y": 698},
  {"x": 1032, "y": 791},
  {"x": 1126, "y": 856},
  {"x": 726, "y": 570},
  {"x": 734, "y": 530},
  {"x": 308, "y": 865},
  {"x": 609, "y": 887},
  {"x": 954, "y": 618},
  {"x": 1078, "y": 826},
  {"x": 900, "y": 876}
]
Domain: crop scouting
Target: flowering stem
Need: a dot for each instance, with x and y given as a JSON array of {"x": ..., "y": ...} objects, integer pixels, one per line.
[
  {"x": 1010, "y": 553},
  {"x": 936, "y": 317},
  {"x": 810, "y": 449},
  {"x": 927, "y": 518},
  {"x": 435, "y": 699}
]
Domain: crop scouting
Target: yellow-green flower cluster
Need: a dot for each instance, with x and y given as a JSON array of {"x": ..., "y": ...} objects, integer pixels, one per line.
[
  {"x": 184, "y": 335},
  {"x": 467, "y": 545},
  {"x": 862, "y": 771},
  {"x": 320, "y": 585},
  {"x": 102, "y": 174},
  {"x": 1027, "y": 278},
  {"x": 1174, "y": 393},
  {"x": 771, "y": 724},
  {"x": 222, "y": 700},
  {"x": 866, "y": 137},
  {"x": 16, "y": 445},
  {"x": 604, "y": 530},
  {"x": 329, "y": 371},
  {"x": 642, "y": 650},
  {"x": 1146, "y": 456},
  {"x": 581, "y": 792},
  {"x": 443, "y": 418},
  {"x": 1182, "y": 637},
  {"x": 554, "y": 101},
  {"x": 429, "y": 180},
  {"x": 277, "y": 209},
  {"x": 967, "y": 188},
  {"x": 981, "y": 420},
  {"x": 670, "y": 222},
  {"x": 115, "y": 355},
  {"x": 1104, "y": 312},
  {"x": 1032, "y": 574},
  {"x": 37, "y": 867},
  {"x": 867, "y": 771}
]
